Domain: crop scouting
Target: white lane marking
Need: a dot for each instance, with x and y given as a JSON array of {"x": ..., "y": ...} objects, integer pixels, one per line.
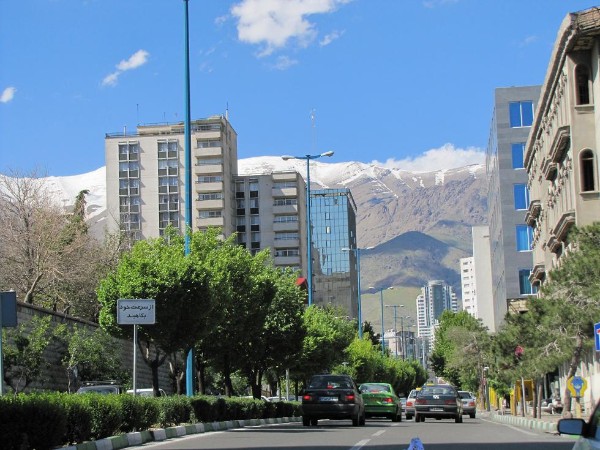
[
  {"x": 511, "y": 427},
  {"x": 380, "y": 432},
  {"x": 360, "y": 444}
]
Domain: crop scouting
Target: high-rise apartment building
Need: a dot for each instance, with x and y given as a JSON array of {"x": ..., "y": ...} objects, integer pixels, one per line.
[
  {"x": 435, "y": 298},
  {"x": 270, "y": 213},
  {"x": 468, "y": 286},
  {"x": 145, "y": 189},
  {"x": 145, "y": 177},
  {"x": 333, "y": 220},
  {"x": 482, "y": 269},
  {"x": 508, "y": 197}
]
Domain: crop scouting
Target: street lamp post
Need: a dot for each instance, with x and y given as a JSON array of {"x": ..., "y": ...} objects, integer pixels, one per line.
[
  {"x": 308, "y": 218},
  {"x": 357, "y": 253},
  {"x": 403, "y": 337},
  {"x": 382, "y": 327},
  {"x": 396, "y": 327}
]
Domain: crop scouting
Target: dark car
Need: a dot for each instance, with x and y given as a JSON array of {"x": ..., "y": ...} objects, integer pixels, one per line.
[
  {"x": 101, "y": 387},
  {"x": 332, "y": 397},
  {"x": 589, "y": 432},
  {"x": 438, "y": 401},
  {"x": 469, "y": 403},
  {"x": 381, "y": 401}
]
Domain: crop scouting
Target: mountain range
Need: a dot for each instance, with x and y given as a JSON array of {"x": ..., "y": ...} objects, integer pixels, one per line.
[{"x": 413, "y": 226}]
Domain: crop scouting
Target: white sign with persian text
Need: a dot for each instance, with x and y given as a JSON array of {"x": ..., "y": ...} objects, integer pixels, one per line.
[{"x": 135, "y": 312}]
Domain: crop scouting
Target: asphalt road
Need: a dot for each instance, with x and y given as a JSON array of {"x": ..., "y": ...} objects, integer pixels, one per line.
[{"x": 376, "y": 435}]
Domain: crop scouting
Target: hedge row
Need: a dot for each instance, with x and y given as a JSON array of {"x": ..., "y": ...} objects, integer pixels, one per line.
[{"x": 49, "y": 420}]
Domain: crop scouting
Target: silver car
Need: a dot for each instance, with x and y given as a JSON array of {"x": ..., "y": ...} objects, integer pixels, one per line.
[{"x": 469, "y": 403}]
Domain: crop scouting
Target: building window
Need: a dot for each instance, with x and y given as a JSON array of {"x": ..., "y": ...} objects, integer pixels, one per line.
[
  {"x": 521, "y": 194},
  {"x": 525, "y": 287},
  {"x": 521, "y": 114},
  {"x": 285, "y": 201},
  {"x": 285, "y": 219},
  {"x": 518, "y": 150},
  {"x": 588, "y": 172},
  {"x": 208, "y": 143},
  {"x": 582, "y": 78},
  {"x": 210, "y": 214},
  {"x": 524, "y": 238}
]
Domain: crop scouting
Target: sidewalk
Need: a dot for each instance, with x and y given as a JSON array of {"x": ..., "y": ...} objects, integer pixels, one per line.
[{"x": 545, "y": 424}]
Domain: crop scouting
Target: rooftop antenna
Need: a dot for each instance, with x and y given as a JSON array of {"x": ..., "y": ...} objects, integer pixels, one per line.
[
  {"x": 314, "y": 133},
  {"x": 227, "y": 111}
]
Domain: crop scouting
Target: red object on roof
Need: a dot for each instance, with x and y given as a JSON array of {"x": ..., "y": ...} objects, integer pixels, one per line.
[{"x": 301, "y": 281}]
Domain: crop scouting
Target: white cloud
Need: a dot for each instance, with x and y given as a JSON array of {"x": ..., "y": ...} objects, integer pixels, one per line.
[
  {"x": 445, "y": 157},
  {"x": 329, "y": 38},
  {"x": 435, "y": 3},
  {"x": 273, "y": 23},
  {"x": 284, "y": 62},
  {"x": 8, "y": 94},
  {"x": 136, "y": 60},
  {"x": 528, "y": 41}
]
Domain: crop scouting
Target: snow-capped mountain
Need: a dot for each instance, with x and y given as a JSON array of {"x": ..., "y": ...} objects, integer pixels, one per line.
[{"x": 418, "y": 223}]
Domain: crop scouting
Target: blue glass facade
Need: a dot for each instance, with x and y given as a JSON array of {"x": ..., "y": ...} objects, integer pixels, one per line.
[{"x": 333, "y": 220}]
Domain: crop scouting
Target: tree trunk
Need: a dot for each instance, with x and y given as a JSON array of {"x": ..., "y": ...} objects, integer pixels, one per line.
[
  {"x": 201, "y": 375},
  {"x": 227, "y": 376},
  {"x": 573, "y": 365}
]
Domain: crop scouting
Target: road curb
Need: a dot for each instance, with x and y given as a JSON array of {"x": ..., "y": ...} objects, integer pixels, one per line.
[
  {"x": 525, "y": 422},
  {"x": 162, "y": 434}
]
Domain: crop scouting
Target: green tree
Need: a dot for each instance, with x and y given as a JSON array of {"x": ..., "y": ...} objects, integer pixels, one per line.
[
  {"x": 158, "y": 269},
  {"x": 328, "y": 334},
  {"x": 90, "y": 355},
  {"x": 24, "y": 360}
]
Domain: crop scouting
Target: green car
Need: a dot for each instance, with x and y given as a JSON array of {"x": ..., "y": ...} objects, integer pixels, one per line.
[{"x": 381, "y": 401}]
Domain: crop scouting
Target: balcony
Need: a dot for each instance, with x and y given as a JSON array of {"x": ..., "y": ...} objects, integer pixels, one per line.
[
  {"x": 285, "y": 209},
  {"x": 209, "y": 169},
  {"x": 564, "y": 224},
  {"x": 286, "y": 260},
  {"x": 216, "y": 186},
  {"x": 209, "y": 204},
  {"x": 208, "y": 151},
  {"x": 209, "y": 222},
  {"x": 549, "y": 169},
  {"x": 560, "y": 143},
  {"x": 285, "y": 192},
  {"x": 286, "y": 243},
  {"x": 538, "y": 274},
  {"x": 285, "y": 226},
  {"x": 535, "y": 207}
]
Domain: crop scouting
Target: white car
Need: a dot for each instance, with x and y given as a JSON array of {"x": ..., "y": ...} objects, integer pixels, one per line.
[
  {"x": 147, "y": 392},
  {"x": 589, "y": 432}
]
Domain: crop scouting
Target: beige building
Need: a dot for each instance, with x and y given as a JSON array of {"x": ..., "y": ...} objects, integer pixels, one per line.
[
  {"x": 561, "y": 159},
  {"x": 561, "y": 156},
  {"x": 270, "y": 213},
  {"x": 145, "y": 177}
]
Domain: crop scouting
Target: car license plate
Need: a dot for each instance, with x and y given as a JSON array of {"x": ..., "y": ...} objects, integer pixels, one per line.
[
  {"x": 328, "y": 399},
  {"x": 436, "y": 409}
]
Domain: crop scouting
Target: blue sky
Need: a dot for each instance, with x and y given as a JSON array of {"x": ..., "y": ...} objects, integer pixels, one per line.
[{"x": 407, "y": 83}]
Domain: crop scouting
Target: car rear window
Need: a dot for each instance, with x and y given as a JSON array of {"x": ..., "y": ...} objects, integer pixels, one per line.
[
  {"x": 374, "y": 388},
  {"x": 433, "y": 390},
  {"x": 330, "y": 383}
]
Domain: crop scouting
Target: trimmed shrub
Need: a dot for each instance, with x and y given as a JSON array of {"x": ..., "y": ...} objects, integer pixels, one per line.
[
  {"x": 174, "y": 410},
  {"x": 139, "y": 413}
]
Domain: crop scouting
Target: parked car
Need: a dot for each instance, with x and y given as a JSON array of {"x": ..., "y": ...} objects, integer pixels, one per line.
[
  {"x": 332, "y": 397},
  {"x": 552, "y": 405},
  {"x": 409, "y": 409},
  {"x": 381, "y": 401},
  {"x": 589, "y": 432},
  {"x": 468, "y": 403},
  {"x": 439, "y": 401},
  {"x": 147, "y": 392},
  {"x": 101, "y": 387}
]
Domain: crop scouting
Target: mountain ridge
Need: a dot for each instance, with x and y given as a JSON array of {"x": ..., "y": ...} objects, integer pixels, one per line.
[{"x": 392, "y": 205}]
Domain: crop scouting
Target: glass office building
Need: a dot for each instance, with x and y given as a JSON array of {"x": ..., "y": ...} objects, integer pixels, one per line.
[{"x": 333, "y": 220}]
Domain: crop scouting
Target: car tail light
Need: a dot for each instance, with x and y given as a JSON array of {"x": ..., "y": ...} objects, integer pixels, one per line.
[
  {"x": 388, "y": 400},
  {"x": 409, "y": 403},
  {"x": 420, "y": 401},
  {"x": 471, "y": 403},
  {"x": 450, "y": 401},
  {"x": 350, "y": 397},
  {"x": 306, "y": 398}
]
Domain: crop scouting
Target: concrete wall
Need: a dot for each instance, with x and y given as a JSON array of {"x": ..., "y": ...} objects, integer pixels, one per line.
[{"x": 55, "y": 377}]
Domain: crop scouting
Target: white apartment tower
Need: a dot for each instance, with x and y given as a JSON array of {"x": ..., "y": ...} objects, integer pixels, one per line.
[
  {"x": 468, "y": 285},
  {"x": 145, "y": 177}
]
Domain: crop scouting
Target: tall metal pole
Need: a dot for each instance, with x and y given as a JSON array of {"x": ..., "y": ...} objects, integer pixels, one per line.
[
  {"x": 382, "y": 328},
  {"x": 189, "y": 375},
  {"x": 360, "y": 326},
  {"x": 402, "y": 336},
  {"x": 308, "y": 232}
]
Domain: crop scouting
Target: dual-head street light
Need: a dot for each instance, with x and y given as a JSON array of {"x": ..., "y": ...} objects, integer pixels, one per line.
[{"x": 308, "y": 218}]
